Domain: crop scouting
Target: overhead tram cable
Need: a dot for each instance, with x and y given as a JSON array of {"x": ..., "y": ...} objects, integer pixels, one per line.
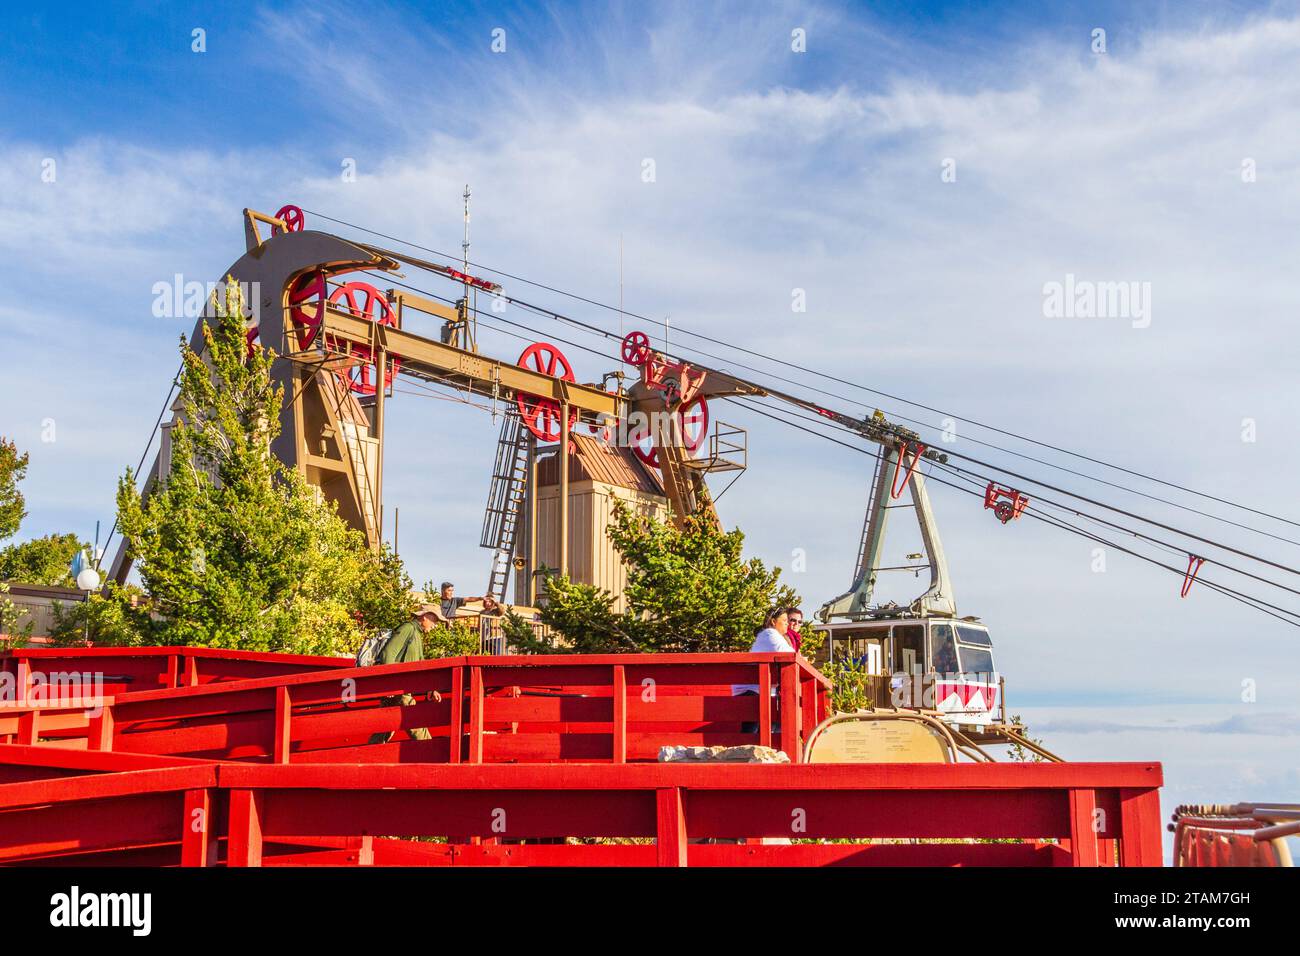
[
  {"x": 1101, "y": 504},
  {"x": 893, "y": 415},
  {"x": 848, "y": 419},
  {"x": 787, "y": 364},
  {"x": 1291, "y": 617},
  {"x": 997, "y": 468}
]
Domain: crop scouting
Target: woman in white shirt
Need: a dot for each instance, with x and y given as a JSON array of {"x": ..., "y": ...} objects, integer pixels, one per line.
[{"x": 770, "y": 640}]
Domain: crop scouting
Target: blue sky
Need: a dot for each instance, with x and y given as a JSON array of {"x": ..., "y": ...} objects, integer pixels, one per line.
[
  {"x": 775, "y": 171},
  {"x": 126, "y": 69}
]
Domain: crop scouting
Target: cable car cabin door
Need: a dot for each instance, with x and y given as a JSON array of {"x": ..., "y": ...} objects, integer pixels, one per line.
[{"x": 907, "y": 646}]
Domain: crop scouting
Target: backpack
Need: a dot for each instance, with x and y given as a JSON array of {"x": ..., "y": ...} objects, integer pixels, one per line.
[{"x": 371, "y": 648}]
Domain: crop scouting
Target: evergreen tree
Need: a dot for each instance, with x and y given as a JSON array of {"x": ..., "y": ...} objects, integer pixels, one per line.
[
  {"x": 13, "y": 468},
  {"x": 687, "y": 590},
  {"x": 44, "y": 561},
  {"x": 233, "y": 548}
]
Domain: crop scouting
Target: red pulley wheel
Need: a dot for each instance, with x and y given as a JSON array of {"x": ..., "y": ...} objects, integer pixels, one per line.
[
  {"x": 636, "y": 348},
  {"x": 306, "y": 300},
  {"x": 364, "y": 301},
  {"x": 542, "y": 415},
  {"x": 693, "y": 419},
  {"x": 292, "y": 218},
  {"x": 307, "y": 305}
]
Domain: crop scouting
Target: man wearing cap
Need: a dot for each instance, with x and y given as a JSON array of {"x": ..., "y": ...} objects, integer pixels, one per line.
[{"x": 407, "y": 644}]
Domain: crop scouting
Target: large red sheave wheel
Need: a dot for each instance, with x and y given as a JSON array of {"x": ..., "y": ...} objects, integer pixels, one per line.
[
  {"x": 540, "y": 415},
  {"x": 307, "y": 306},
  {"x": 364, "y": 301},
  {"x": 693, "y": 418},
  {"x": 306, "y": 302}
]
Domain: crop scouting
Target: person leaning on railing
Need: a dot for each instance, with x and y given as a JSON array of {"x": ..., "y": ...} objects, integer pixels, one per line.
[
  {"x": 450, "y": 605},
  {"x": 795, "y": 617},
  {"x": 770, "y": 639}
]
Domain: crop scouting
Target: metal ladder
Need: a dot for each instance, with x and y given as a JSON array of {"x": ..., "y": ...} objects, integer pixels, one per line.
[{"x": 505, "y": 502}]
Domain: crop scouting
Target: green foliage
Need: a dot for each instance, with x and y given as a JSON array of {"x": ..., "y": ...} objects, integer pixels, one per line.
[
  {"x": 234, "y": 549},
  {"x": 13, "y": 635},
  {"x": 13, "y": 468},
  {"x": 454, "y": 640},
  {"x": 853, "y": 686},
  {"x": 117, "y": 617},
  {"x": 44, "y": 561},
  {"x": 523, "y": 638},
  {"x": 687, "y": 590},
  {"x": 1020, "y": 753},
  {"x": 812, "y": 640}
]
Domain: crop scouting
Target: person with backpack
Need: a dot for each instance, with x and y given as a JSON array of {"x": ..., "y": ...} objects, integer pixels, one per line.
[{"x": 402, "y": 645}]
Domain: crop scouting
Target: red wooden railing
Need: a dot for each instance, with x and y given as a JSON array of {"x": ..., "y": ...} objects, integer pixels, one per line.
[
  {"x": 118, "y": 670},
  {"x": 615, "y": 708},
  {"x": 278, "y": 769},
  {"x": 177, "y": 811}
]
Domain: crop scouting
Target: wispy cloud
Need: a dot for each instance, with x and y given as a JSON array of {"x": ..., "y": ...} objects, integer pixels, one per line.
[{"x": 1277, "y": 724}]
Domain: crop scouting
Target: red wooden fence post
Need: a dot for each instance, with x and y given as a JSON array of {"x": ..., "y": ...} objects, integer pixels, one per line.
[
  {"x": 670, "y": 830},
  {"x": 1139, "y": 843},
  {"x": 620, "y": 714},
  {"x": 1083, "y": 833},
  {"x": 172, "y": 670},
  {"x": 790, "y": 712},
  {"x": 1106, "y": 851},
  {"x": 280, "y": 725},
  {"x": 28, "y": 727},
  {"x": 765, "y": 705},
  {"x": 244, "y": 846},
  {"x": 476, "y": 715},
  {"x": 100, "y": 734},
  {"x": 24, "y": 679},
  {"x": 808, "y": 712},
  {"x": 198, "y": 841},
  {"x": 456, "y": 723}
]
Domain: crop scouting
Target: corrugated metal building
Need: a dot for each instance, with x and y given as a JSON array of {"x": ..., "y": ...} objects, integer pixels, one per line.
[{"x": 599, "y": 475}]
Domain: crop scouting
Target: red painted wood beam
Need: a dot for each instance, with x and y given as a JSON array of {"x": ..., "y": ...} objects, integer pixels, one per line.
[{"x": 670, "y": 827}]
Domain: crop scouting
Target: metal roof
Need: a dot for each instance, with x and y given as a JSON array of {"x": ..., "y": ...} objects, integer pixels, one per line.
[{"x": 592, "y": 460}]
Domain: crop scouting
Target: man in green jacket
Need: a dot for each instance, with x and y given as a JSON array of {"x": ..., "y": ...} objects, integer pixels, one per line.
[{"x": 407, "y": 644}]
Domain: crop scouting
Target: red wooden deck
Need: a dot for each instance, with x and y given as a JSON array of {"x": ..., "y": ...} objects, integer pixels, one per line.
[{"x": 277, "y": 769}]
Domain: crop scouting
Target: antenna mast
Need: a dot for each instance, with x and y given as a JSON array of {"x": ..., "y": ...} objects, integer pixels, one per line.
[{"x": 471, "y": 331}]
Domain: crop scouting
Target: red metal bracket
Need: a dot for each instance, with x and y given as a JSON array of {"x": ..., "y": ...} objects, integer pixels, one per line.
[
  {"x": 1189, "y": 577},
  {"x": 897, "y": 490},
  {"x": 678, "y": 381},
  {"x": 692, "y": 419},
  {"x": 1007, "y": 503},
  {"x": 473, "y": 280}
]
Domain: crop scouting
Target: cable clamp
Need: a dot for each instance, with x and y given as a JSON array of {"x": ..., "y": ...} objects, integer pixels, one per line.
[
  {"x": 1189, "y": 576},
  {"x": 896, "y": 491}
]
